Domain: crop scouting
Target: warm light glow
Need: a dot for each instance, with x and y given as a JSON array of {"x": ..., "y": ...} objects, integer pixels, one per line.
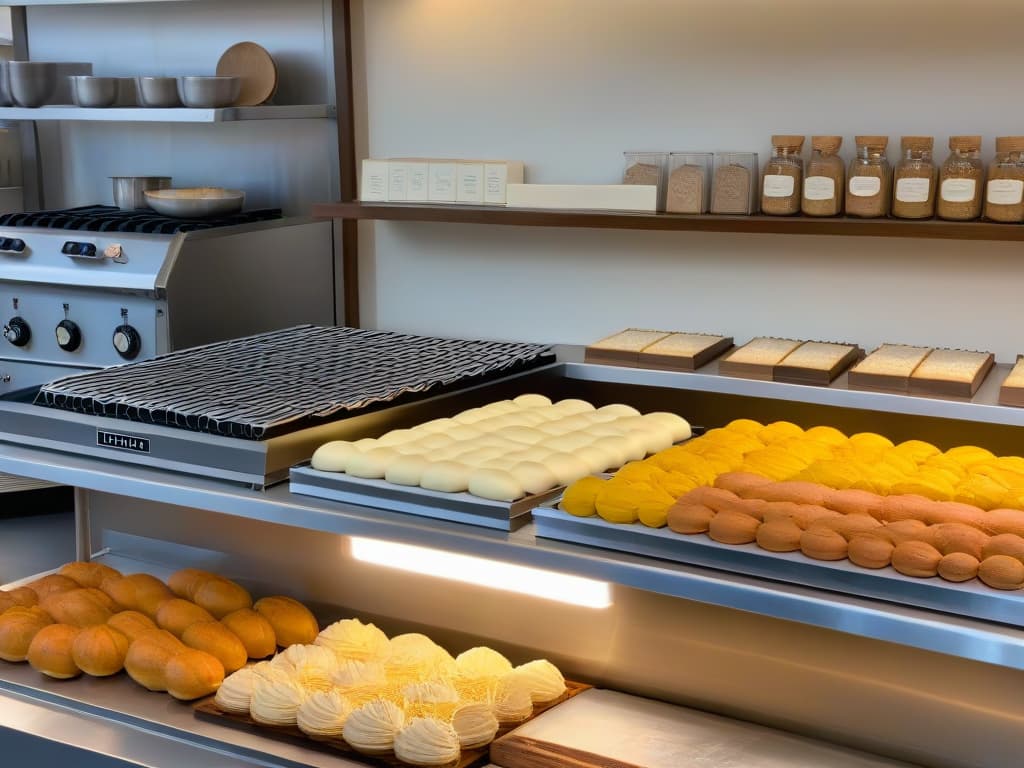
[{"x": 549, "y": 585}]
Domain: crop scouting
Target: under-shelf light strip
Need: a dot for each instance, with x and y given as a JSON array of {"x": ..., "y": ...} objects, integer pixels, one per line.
[{"x": 537, "y": 582}]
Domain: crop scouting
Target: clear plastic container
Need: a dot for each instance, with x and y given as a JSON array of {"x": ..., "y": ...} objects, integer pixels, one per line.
[
  {"x": 824, "y": 178},
  {"x": 869, "y": 180},
  {"x": 961, "y": 180},
  {"x": 783, "y": 180},
  {"x": 648, "y": 168},
  {"x": 734, "y": 186},
  {"x": 689, "y": 182},
  {"x": 1004, "y": 192},
  {"x": 913, "y": 188}
]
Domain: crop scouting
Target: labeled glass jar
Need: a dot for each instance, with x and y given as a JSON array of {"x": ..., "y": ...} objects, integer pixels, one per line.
[
  {"x": 1004, "y": 192},
  {"x": 734, "y": 186},
  {"x": 869, "y": 180},
  {"x": 913, "y": 189},
  {"x": 824, "y": 179},
  {"x": 689, "y": 182},
  {"x": 961, "y": 180},
  {"x": 647, "y": 168},
  {"x": 782, "y": 183}
]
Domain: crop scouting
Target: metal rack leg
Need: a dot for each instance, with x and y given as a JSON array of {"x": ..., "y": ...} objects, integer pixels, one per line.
[{"x": 83, "y": 533}]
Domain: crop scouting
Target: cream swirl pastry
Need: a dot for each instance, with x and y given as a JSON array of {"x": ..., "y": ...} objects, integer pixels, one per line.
[
  {"x": 354, "y": 674},
  {"x": 430, "y": 692},
  {"x": 475, "y": 723},
  {"x": 513, "y": 703},
  {"x": 371, "y": 729},
  {"x": 235, "y": 693},
  {"x": 275, "y": 701},
  {"x": 311, "y": 665},
  {"x": 427, "y": 741},
  {"x": 323, "y": 714},
  {"x": 542, "y": 678},
  {"x": 482, "y": 662},
  {"x": 351, "y": 639},
  {"x": 416, "y": 657}
]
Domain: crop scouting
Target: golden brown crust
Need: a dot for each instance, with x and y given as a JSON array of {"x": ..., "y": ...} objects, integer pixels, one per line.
[
  {"x": 779, "y": 536},
  {"x": 176, "y": 615},
  {"x": 88, "y": 574},
  {"x": 957, "y": 537},
  {"x": 192, "y": 674},
  {"x": 917, "y": 559},
  {"x": 100, "y": 651},
  {"x": 1002, "y": 572},
  {"x": 740, "y": 483},
  {"x": 870, "y": 551},
  {"x": 733, "y": 528},
  {"x": 293, "y": 622},
  {"x": 1004, "y": 544},
  {"x": 821, "y": 543},
  {"x": 220, "y": 642},
  {"x": 853, "y": 501},
  {"x": 50, "y": 651},
  {"x": 958, "y": 567},
  {"x": 52, "y": 584},
  {"x": 689, "y": 519},
  {"x": 18, "y": 626},
  {"x": 221, "y": 597},
  {"x": 185, "y": 582},
  {"x": 77, "y": 607},
  {"x": 254, "y": 631},
  {"x": 131, "y": 624},
  {"x": 148, "y": 656}
]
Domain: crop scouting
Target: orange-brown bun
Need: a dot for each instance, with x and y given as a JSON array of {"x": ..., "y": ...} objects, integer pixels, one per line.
[
  {"x": 88, "y": 574},
  {"x": 50, "y": 651}
]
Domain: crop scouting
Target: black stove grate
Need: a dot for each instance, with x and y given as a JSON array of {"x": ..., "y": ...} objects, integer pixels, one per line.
[
  {"x": 107, "y": 218},
  {"x": 275, "y": 383}
]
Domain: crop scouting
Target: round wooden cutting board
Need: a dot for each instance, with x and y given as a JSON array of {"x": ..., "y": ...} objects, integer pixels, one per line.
[{"x": 256, "y": 69}]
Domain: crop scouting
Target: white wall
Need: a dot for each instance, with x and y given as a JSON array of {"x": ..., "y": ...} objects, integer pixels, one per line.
[{"x": 568, "y": 85}]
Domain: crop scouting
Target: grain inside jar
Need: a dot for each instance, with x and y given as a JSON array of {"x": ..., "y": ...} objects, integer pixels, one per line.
[
  {"x": 824, "y": 179},
  {"x": 1004, "y": 192},
  {"x": 782, "y": 184},
  {"x": 869, "y": 181},
  {"x": 914, "y": 179},
  {"x": 961, "y": 180},
  {"x": 734, "y": 188}
]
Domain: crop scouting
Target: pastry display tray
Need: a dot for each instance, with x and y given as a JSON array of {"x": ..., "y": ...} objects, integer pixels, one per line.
[
  {"x": 972, "y": 599},
  {"x": 455, "y": 507}
]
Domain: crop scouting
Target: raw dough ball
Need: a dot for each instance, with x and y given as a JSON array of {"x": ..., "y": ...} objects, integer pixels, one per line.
[
  {"x": 500, "y": 407},
  {"x": 679, "y": 426},
  {"x": 436, "y": 426},
  {"x": 495, "y": 484},
  {"x": 571, "y": 405},
  {"x": 532, "y": 401},
  {"x": 477, "y": 457},
  {"x": 524, "y": 435},
  {"x": 534, "y": 477},
  {"x": 530, "y": 418},
  {"x": 618, "y": 410},
  {"x": 463, "y": 432},
  {"x": 446, "y": 476},
  {"x": 577, "y": 422},
  {"x": 636, "y": 445},
  {"x": 372, "y": 465},
  {"x": 597, "y": 459},
  {"x": 616, "y": 446},
  {"x": 493, "y": 441},
  {"x": 412, "y": 448},
  {"x": 435, "y": 441},
  {"x": 607, "y": 429},
  {"x": 406, "y": 470},
  {"x": 366, "y": 444},
  {"x": 555, "y": 428},
  {"x": 333, "y": 456},
  {"x": 566, "y": 468},
  {"x": 568, "y": 443},
  {"x": 397, "y": 437},
  {"x": 472, "y": 416},
  {"x": 549, "y": 414}
]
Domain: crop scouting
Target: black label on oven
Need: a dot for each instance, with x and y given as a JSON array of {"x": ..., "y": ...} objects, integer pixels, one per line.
[{"x": 121, "y": 442}]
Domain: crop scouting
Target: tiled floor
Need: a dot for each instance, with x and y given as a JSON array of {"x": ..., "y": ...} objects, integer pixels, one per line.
[{"x": 37, "y": 533}]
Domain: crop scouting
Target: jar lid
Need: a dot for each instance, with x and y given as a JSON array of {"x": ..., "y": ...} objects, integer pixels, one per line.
[
  {"x": 826, "y": 143},
  {"x": 965, "y": 143},
  {"x": 873, "y": 142},
  {"x": 788, "y": 142},
  {"x": 918, "y": 143},
  {"x": 1010, "y": 144}
]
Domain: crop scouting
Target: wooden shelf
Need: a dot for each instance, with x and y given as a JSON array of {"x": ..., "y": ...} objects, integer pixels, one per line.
[
  {"x": 171, "y": 115},
  {"x": 777, "y": 225}
]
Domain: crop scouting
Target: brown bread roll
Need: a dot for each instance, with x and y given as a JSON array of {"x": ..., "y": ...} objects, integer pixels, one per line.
[
  {"x": 148, "y": 656},
  {"x": 137, "y": 592},
  {"x": 1006, "y": 521},
  {"x": 1002, "y": 572},
  {"x": 176, "y": 615},
  {"x": 88, "y": 574},
  {"x": 293, "y": 622},
  {"x": 740, "y": 482},
  {"x": 797, "y": 491},
  {"x": 192, "y": 674},
  {"x": 850, "y": 525},
  {"x": 18, "y": 626},
  {"x": 751, "y": 507},
  {"x": 77, "y": 607},
  {"x": 1004, "y": 544},
  {"x": 821, "y": 543},
  {"x": 100, "y": 651},
  {"x": 185, "y": 582},
  {"x": 50, "y": 651},
  {"x": 916, "y": 558},
  {"x": 905, "y": 530},
  {"x": 804, "y": 515},
  {"x": 853, "y": 501},
  {"x": 958, "y": 566},
  {"x": 131, "y": 624},
  {"x": 218, "y": 641},
  {"x": 947, "y": 512},
  {"x": 689, "y": 518},
  {"x": 906, "y": 506},
  {"x": 870, "y": 551},
  {"x": 779, "y": 536},
  {"x": 733, "y": 528},
  {"x": 709, "y": 496},
  {"x": 6, "y": 601},
  {"x": 23, "y": 596},
  {"x": 51, "y": 584},
  {"x": 221, "y": 597},
  {"x": 957, "y": 537},
  {"x": 254, "y": 632}
]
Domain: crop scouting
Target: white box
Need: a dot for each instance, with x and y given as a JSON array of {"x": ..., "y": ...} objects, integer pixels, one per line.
[
  {"x": 470, "y": 183},
  {"x": 374, "y": 184},
  {"x": 497, "y": 176},
  {"x": 398, "y": 181},
  {"x": 593, "y": 197},
  {"x": 419, "y": 181},
  {"x": 442, "y": 182}
]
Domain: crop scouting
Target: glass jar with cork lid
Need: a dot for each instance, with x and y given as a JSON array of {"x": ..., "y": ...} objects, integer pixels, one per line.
[
  {"x": 961, "y": 180},
  {"x": 869, "y": 180},
  {"x": 914, "y": 179},
  {"x": 782, "y": 184},
  {"x": 1004, "y": 192},
  {"x": 824, "y": 179}
]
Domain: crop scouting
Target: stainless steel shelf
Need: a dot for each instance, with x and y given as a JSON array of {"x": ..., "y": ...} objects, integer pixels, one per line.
[
  {"x": 930, "y": 630},
  {"x": 173, "y": 115}
]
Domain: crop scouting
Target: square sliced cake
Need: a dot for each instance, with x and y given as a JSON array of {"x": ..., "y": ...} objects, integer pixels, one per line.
[
  {"x": 757, "y": 358},
  {"x": 817, "y": 362},
  {"x": 888, "y": 368},
  {"x": 951, "y": 373},
  {"x": 1012, "y": 391},
  {"x": 684, "y": 351},
  {"x": 622, "y": 348}
]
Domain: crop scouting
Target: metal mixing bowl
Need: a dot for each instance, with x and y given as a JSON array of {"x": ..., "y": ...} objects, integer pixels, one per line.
[
  {"x": 33, "y": 83},
  {"x": 197, "y": 203},
  {"x": 158, "y": 91},
  {"x": 90, "y": 91},
  {"x": 129, "y": 190},
  {"x": 209, "y": 92}
]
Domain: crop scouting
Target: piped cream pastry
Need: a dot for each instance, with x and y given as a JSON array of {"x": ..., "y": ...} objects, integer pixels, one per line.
[
  {"x": 417, "y": 657},
  {"x": 323, "y": 714},
  {"x": 311, "y": 665},
  {"x": 478, "y": 689},
  {"x": 371, "y": 729},
  {"x": 276, "y": 701},
  {"x": 353, "y": 674},
  {"x": 430, "y": 692},
  {"x": 351, "y": 639},
  {"x": 482, "y": 662},
  {"x": 427, "y": 741},
  {"x": 476, "y": 724},
  {"x": 235, "y": 693},
  {"x": 513, "y": 702},
  {"x": 543, "y": 679}
]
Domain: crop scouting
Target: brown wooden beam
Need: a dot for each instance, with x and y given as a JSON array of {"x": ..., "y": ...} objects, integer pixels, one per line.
[{"x": 341, "y": 16}]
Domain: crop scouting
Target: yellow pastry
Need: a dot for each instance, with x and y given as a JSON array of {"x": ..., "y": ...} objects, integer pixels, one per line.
[
  {"x": 580, "y": 498},
  {"x": 235, "y": 693},
  {"x": 543, "y": 679},
  {"x": 351, "y": 639},
  {"x": 427, "y": 741},
  {"x": 475, "y": 725},
  {"x": 323, "y": 714},
  {"x": 482, "y": 662},
  {"x": 371, "y": 728}
]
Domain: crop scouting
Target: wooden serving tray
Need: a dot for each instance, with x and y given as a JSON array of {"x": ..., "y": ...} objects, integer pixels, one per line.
[{"x": 207, "y": 709}]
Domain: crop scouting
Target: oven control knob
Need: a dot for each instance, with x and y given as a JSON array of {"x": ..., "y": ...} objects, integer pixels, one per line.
[
  {"x": 69, "y": 336},
  {"x": 17, "y": 332},
  {"x": 127, "y": 342}
]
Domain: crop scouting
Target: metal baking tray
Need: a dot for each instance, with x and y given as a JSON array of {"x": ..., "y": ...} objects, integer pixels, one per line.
[
  {"x": 455, "y": 507},
  {"x": 972, "y": 599}
]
